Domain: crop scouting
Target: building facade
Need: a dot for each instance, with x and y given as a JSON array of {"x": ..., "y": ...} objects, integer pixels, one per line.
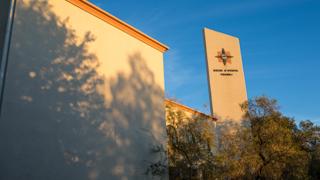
[{"x": 83, "y": 94}]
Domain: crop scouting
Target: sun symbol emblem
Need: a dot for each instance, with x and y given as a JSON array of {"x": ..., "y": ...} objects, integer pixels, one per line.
[{"x": 224, "y": 57}]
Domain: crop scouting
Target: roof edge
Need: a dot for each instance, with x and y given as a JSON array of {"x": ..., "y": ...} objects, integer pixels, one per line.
[
  {"x": 191, "y": 110},
  {"x": 116, "y": 22}
]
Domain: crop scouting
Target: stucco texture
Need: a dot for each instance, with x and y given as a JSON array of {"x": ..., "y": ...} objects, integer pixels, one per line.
[{"x": 82, "y": 99}]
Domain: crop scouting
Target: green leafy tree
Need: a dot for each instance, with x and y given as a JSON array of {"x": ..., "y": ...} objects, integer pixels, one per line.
[
  {"x": 235, "y": 156},
  {"x": 308, "y": 136},
  {"x": 264, "y": 146},
  {"x": 190, "y": 145}
]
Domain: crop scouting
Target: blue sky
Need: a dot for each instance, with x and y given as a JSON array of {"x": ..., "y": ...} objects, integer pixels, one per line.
[{"x": 280, "y": 43}]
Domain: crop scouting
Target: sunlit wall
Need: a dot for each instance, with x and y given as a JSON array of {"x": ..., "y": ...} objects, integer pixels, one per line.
[{"x": 82, "y": 99}]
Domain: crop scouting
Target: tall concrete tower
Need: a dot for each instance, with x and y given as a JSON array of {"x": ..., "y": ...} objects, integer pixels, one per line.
[{"x": 227, "y": 86}]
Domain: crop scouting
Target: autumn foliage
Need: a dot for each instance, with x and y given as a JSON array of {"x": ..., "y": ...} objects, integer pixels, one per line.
[{"x": 266, "y": 145}]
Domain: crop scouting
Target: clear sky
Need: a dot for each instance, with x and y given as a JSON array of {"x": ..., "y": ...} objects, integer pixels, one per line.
[{"x": 280, "y": 43}]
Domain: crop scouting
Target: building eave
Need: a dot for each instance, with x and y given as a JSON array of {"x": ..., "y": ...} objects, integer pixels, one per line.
[{"x": 114, "y": 21}]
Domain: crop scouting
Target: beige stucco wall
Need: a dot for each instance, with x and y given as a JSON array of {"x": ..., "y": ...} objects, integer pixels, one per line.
[
  {"x": 226, "y": 82},
  {"x": 82, "y": 99},
  {"x": 185, "y": 111}
]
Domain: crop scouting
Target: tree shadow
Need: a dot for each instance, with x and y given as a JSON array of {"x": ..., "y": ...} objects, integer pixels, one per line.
[{"x": 61, "y": 119}]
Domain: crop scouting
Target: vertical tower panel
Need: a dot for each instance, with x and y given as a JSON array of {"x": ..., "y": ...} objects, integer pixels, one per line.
[{"x": 225, "y": 75}]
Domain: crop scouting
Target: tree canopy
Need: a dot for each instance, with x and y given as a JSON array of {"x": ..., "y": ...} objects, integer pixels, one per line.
[{"x": 265, "y": 145}]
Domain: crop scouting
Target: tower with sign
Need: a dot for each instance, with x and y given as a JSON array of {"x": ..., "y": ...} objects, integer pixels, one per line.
[{"x": 227, "y": 86}]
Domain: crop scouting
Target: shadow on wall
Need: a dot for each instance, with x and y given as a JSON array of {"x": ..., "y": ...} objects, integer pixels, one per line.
[{"x": 61, "y": 119}]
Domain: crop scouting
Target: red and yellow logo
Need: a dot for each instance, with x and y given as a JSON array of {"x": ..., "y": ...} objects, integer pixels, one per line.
[{"x": 224, "y": 57}]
